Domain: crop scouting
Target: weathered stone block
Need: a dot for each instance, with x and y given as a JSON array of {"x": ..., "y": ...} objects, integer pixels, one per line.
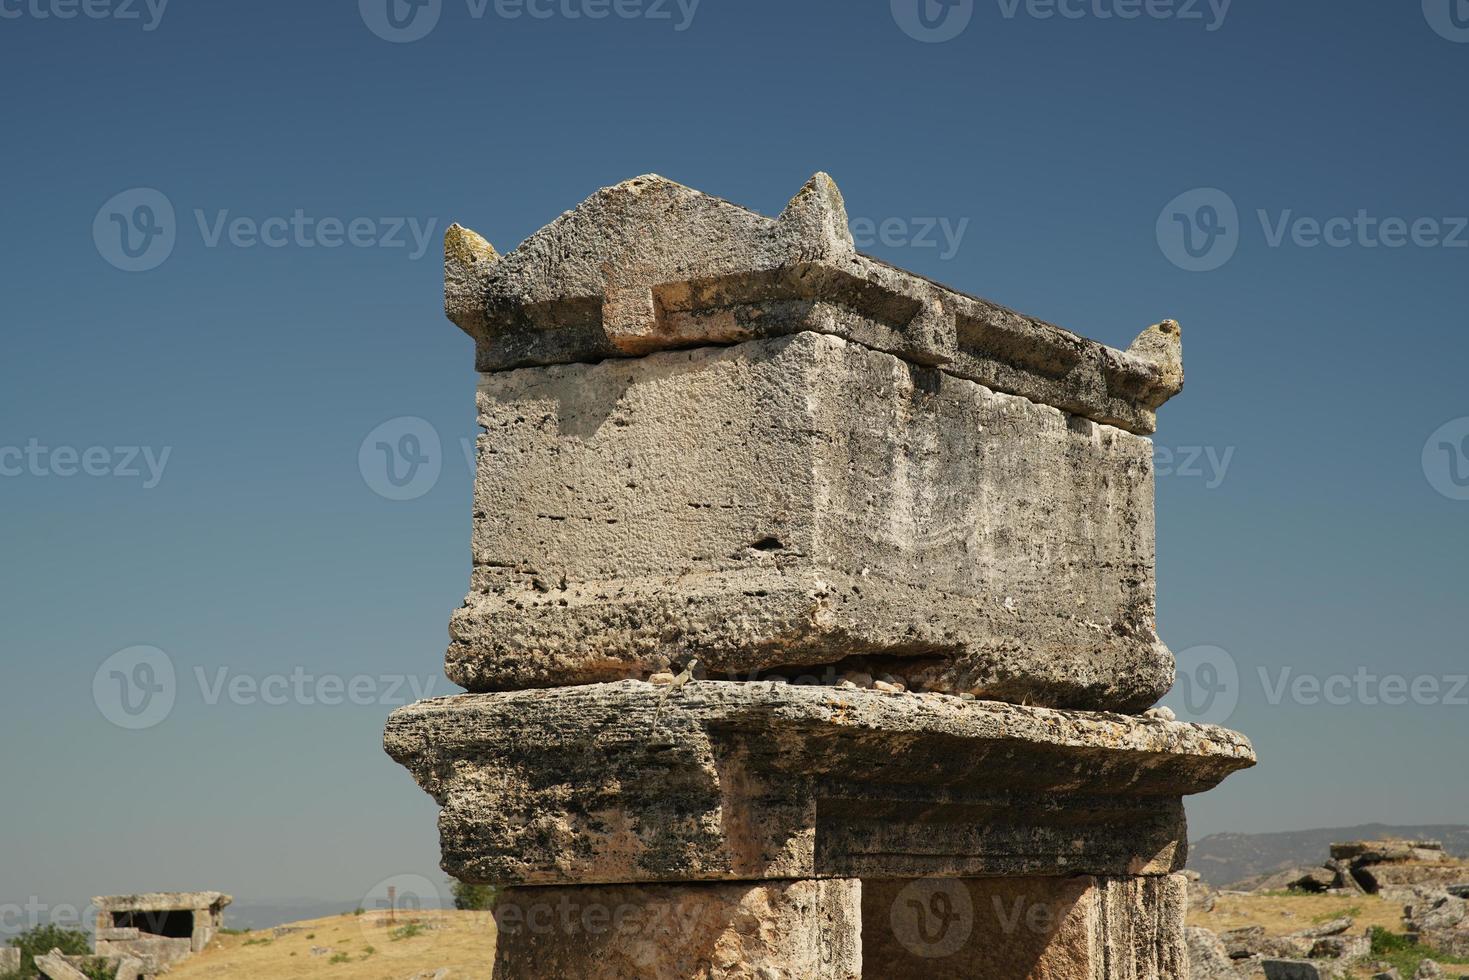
[
  {"x": 759, "y": 781},
  {"x": 806, "y": 929},
  {"x": 1025, "y": 928},
  {"x": 805, "y": 503},
  {"x": 53, "y": 966}
]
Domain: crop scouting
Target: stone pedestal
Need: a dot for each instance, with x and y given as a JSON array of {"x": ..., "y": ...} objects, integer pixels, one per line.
[{"x": 898, "y": 542}]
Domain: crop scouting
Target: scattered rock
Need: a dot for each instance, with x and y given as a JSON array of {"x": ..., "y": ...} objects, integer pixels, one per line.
[
  {"x": 1207, "y": 958},
  {"x": 1243, "y": 943},
  {"x": 53, "y": 966},
  {"x": 1340, "y": 948},
  {"x": 1333, "y": 928},
  {"x": 1296, "y": 970},
  {"x": 1428, "y": 970}
]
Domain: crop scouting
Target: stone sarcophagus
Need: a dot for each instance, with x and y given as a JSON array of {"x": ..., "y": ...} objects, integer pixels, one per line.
[{"x": 907, "y": 536}]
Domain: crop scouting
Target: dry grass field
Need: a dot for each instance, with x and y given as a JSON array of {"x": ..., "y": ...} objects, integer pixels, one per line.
[
  {"x": 354, "y": 947},
  {"x": 1283, "y": 914}
]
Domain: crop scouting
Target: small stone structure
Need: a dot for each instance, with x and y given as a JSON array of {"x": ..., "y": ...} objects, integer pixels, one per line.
[
  {"x": 9, "y": 958},
  {"x": 158, "y": 928},
  {"x": 907, "y": 535}
]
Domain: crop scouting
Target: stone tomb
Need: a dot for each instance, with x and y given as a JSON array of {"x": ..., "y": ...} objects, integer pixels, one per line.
[
  {"x": 907, "y": 534},
  {"x": 158, "y": 928}
]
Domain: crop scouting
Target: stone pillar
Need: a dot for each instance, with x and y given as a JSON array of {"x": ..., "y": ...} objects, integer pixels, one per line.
[{"x": 896, "y": 543}]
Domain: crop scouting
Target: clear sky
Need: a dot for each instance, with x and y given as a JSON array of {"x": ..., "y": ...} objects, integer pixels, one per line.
[{"x": 222, "y": 272}]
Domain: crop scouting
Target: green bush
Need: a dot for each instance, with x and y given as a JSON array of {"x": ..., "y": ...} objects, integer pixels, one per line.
[
  {"x": 1405, "y": 954},
  {"x": 473, "y": 898},
  {"x": 42, "y": 940}
]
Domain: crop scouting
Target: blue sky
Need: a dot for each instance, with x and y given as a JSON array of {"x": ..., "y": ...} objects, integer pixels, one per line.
[{"x": 180, "y": 428}]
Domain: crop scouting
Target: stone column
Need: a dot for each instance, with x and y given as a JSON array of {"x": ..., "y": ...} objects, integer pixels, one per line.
[{"x": 895, "y": 541}]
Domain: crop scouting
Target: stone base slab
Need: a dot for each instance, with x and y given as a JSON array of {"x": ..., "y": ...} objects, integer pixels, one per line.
[
  {"x": 1079, "y": 928},
  {"x": 758, "y": 781}
]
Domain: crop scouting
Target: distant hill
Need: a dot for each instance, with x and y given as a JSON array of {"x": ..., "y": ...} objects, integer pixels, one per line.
[{"x": 1223, "y": 859}]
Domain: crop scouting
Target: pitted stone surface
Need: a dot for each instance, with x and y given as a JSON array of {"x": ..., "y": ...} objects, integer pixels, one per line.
[
  {"x": 762, "y": 781},
  {"x": 793, "y": 930},
  {"x": 788, "y": 505},
  {"x": 1078, "y": 928},
  {"x": 652, "y": 265}
]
